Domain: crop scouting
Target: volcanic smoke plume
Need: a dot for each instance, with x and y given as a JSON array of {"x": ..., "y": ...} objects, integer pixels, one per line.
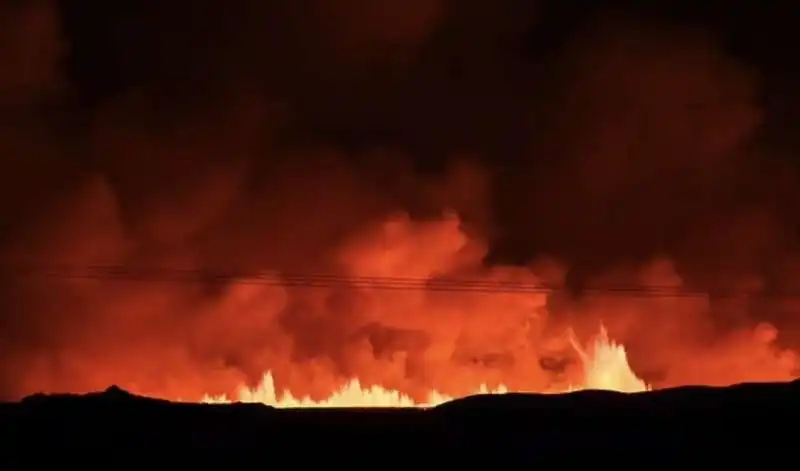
[{"x": 636, "y": 160}]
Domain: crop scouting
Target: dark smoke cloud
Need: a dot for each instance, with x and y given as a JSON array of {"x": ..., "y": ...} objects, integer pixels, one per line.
[{"x": 264, "y": 138}]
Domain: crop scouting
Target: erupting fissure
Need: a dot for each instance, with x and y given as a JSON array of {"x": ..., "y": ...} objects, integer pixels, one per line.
[{"x": 605, "y": 367}]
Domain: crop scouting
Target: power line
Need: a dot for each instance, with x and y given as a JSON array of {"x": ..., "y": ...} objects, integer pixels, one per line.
[{"x": 119, "y": 273}]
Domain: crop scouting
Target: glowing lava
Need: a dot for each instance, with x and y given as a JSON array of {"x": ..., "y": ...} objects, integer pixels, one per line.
[{"x": 605, "y": 367}]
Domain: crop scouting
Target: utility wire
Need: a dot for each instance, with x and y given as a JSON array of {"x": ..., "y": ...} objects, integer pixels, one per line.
[{"x": 119, "y": 273}]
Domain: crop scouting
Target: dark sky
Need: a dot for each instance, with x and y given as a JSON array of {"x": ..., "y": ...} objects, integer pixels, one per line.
[
  {"x": 636, "y": 144},
  {"x": 495, "y": 80}
]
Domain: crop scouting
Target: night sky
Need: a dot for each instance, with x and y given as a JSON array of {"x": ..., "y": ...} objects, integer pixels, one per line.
[{"x": 494, "y": 81}]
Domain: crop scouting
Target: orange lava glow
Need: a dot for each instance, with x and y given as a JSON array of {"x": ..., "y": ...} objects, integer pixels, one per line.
[
  {"x": 605, "y": 367},
  {"x": 390, "y": 330}
]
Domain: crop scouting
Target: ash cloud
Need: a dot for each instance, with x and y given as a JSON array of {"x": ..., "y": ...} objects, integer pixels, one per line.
[{"x": 268, "y": 140}]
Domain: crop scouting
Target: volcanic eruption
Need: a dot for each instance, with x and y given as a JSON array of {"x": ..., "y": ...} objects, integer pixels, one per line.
[{"x": 402, "y": 214}]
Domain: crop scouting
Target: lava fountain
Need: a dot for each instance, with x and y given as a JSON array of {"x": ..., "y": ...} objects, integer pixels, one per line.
[{"x": 605, "y": 367}]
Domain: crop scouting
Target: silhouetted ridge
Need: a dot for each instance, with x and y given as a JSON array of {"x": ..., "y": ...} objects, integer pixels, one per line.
[{"x": 526, "y": 427}]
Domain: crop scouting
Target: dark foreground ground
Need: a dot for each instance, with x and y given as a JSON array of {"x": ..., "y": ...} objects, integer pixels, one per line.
[{"x": 118, "y": 430}]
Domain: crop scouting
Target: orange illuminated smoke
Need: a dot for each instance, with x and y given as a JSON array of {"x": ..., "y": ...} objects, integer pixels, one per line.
[{"x": 605, "y": 366}]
